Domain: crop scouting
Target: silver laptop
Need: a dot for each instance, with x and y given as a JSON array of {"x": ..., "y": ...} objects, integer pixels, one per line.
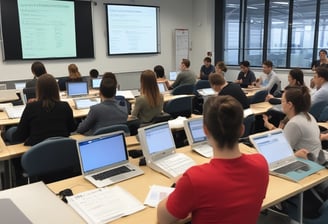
[
  {"x": 104, "y": 159},
  {"x": 158, "y": 147},
  {"x": 173, "y": 76},
  {"x": 274, "y": 146},
  {"x": 95, "y": 83},
  {"x": 162, "y": 88},
  {"x": 196, "y": 136},
  {"x": 85, "y": 103},
  {"x": 14, "y": 111},
  {"x": 77, "y": 89},
  {"x": 206, "y": 92},
  {"x": 20, "y": 85}
]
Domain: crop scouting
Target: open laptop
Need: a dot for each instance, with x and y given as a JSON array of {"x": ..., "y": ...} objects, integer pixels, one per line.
[
  {"x": 85, "y": 103},
  {"x": 20, "y": 85},
  {"x": 206, "y": 92},
  {"x": 162, "y": 87},
  {"x": 104, "y": 159},
  {"x": 274, "y": 146},
  {"x": 173, "y": 76},
  {"x": 196, "y": 136},
  {"x": 158, "y": 147},
  {"x": 95, "y": 83},
  {"x": 77, "y": 89}
]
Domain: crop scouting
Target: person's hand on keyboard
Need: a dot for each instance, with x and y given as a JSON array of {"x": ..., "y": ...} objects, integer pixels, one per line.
[{"x": 302, "y": 153}]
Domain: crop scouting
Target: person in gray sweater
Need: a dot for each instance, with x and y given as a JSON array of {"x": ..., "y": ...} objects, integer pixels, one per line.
[
  {"x": 186, "y": 76},
  {"x": 106, "y": 113}
]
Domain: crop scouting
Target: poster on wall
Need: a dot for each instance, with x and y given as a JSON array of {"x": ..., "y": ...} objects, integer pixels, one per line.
[{"x": 181, "y": 46}]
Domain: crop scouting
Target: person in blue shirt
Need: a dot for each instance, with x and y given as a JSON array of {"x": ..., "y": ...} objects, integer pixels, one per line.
[
  {"x": 245, "y": 77},
  {"x": 206, "y": 69}
]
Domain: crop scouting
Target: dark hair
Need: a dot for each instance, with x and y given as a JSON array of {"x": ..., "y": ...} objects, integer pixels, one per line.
[
  {"x": 300, "y": 97},
  {"x": 222, "y": 66},
  {"x": 149, "y": 88},
  {"x": 186, "y": 62},
  {"x": 159, "y": 71},
  {"x": 244, "y": 63},
  {"x": 298, "y": 75},
  {"x": 216, "y": 79},
  {"x": 223, "y": 118},
  {"x": 108, "y": 85},
  {"x": 268, "y": 63},
  {"x": 47, "y": 91},
  {"x": 38, "y": 68},
  {"x": 208, "y": 59},
  {"x": 322, "y": 72},
  {"x": 324, "y": 51},
  {"x": 94, "y": 73}
]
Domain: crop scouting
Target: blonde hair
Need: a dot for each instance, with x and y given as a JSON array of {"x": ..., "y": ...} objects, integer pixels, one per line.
[{"x": 73, "y": 72}]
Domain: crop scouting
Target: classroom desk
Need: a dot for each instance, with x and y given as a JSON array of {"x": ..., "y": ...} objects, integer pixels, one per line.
[
  {"x": 278, "y": 189},
  {"x": 250, "y": 91},
  {"x": 260, "y": 108},
  {"x": 323, "y": 124}
]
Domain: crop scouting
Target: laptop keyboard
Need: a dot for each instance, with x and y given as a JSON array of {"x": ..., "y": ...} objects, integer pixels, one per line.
[
  {"x": 292, "y": 167},
  {"x": 204, "y": 149},
  {"x": 176, "y": 164},
  {"x": 15, "y": 111},
  {"x": 110, "y": 173}
]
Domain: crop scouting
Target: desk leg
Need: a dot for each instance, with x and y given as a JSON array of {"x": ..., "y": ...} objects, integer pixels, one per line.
[{"x": 300, "y": 208}]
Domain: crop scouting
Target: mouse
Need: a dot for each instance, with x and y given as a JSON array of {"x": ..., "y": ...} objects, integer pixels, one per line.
[{"x": 64, "y": 193}]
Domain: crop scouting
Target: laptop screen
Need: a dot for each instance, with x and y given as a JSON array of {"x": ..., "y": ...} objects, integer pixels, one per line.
[
  {"x": 273, "y": 146},
  {"x": 161, "y": 87},
  {"x": 173, "y": 76},
  {"x": 20, "y": 85},
  {"x": 95, "y": 83},
  {"x": 77, "y": 88},
  {"x": 102, "y": 151},
  {"x": 196, "y": 130},
  {"x": 159, "y": 138}
]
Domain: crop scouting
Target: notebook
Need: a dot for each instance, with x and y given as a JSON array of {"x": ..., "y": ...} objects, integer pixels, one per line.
[
  {"x": 196, "y": 137},
  {"x": 85, "y": 103},
  {"x": 173, "y": 76},
  {"x": 274, "y": 146},
  {"x": 77, "y": 89},
  {"x": 158, "y": 147},
  {"x": 95, "y": 83},
  {"x": 104, "y": 159}
]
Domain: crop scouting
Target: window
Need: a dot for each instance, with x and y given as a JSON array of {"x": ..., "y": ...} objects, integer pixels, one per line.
[{"x": 290, "y": 33}]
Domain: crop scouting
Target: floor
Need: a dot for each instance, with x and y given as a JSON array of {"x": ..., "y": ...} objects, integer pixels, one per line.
[{"x": 269, "y": 217}]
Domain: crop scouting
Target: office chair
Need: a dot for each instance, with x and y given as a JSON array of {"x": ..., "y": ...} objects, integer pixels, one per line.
[
  {"x": 323, "y": 117},
  {"x": 62, "y": 83},
  {"x": 113, "y": 128},
  {"x": 317, "y": 108},
  {"x": 198, "y": 101},
  {"x": 29, "y": 93},
  {"x": 179, "y": 107},
  {"x": 51, "y": 160},
  {"x": 123, "y": 102},
  {"x": 259, "y": 96},
  {"x": 183, "y": 89},
  {"x": 249, "y": 122}
]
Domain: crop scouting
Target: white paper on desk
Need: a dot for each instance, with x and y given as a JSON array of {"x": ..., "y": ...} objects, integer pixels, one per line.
[
  {"x": 177, "y": 122},
  {"x": 156, "y": 194},
  {"x": 103, "y": 205}
]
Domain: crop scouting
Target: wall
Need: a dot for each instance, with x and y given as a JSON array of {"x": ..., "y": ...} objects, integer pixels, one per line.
[{"x": 194, "y": 15}]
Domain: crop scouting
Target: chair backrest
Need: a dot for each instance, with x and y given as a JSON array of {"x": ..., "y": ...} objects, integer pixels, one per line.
[
  {"x": 317, "y": 108},
  {"x": 249, "y": 122},
  {"x": 181, "y": 106},
  {"x": 161, "y": 118},
  {"x": 324, "y": 115},
  {"x": 183, "y": 89},
  {"x": 29, "y": 93},
  {"x": 123, "y": 102},
  {"x": 51, "y": 160},
  {"x": 259, "y": 96},
  {"x": 113, "y": 128}
]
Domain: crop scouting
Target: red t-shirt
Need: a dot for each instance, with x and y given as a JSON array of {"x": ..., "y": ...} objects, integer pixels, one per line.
[{"x": 222, "y": 191}]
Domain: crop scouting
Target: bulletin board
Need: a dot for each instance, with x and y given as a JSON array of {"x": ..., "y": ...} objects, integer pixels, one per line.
[{"x": 181, "y": 46}]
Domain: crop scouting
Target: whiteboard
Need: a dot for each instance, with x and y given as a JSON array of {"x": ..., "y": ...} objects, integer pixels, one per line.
[{"x": 181, "y": 46}]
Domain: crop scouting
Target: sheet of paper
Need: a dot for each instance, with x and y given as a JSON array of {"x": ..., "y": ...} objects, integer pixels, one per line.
[{"x": 156, "y": 194}]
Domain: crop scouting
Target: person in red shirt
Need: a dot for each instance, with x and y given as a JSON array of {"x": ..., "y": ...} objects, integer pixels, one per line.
[{"x": 228, "y": 189}]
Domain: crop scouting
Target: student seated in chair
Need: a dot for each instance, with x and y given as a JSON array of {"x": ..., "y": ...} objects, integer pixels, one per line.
[
  {"x": 38, "y": 69},
  {"x": 47, "y": 116},
  {"x": 186, "y": 76},
  {"x": 106, "y": 113},
  {"x": 228, "y": 189},
  {"x": 220, "y": 85}
]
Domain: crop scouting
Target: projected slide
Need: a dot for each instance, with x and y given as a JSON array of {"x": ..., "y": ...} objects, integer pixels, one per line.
[
  {"x": 47, "y": 28},
  {"x": 132, "y": 29}
]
